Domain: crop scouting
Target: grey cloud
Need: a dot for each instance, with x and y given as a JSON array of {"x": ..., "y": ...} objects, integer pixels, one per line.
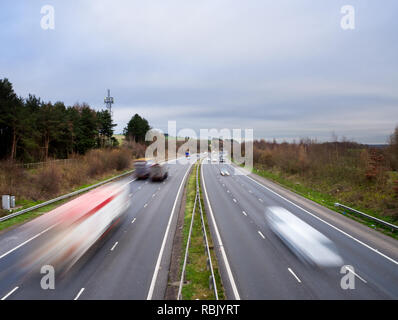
[{"x": 283, "y": 68}]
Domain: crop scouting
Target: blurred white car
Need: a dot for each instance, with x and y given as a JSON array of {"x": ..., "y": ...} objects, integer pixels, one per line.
[{"x": 307, "y": 243}]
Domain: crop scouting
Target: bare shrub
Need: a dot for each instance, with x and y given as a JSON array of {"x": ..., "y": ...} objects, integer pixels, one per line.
[
  {"x": 11, "y": 176},
  {"x": 48, "y": 180},
  {"x": 76, "y": 173},
  {"x": 351, "y": 172},
  {"x": 137, "y": 149},
  {"x": 122, "y": 159},
  {"x": 62, "y": 177}
]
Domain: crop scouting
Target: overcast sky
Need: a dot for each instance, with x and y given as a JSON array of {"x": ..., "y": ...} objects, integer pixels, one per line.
[{"x": 283, "y": 68}]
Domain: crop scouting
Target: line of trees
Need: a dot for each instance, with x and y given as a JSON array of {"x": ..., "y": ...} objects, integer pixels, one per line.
[
  {"x": 357, "y": 175},
  {"x": 33, "y": 130}
]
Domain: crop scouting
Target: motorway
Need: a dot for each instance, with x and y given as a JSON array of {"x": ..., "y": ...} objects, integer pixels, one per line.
[
  {"x": 132, "y": 261},
  {"x": 259, "y": 266}
]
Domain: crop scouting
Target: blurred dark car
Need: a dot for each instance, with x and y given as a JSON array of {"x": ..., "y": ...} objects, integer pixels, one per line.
[
  {"x": 158, "y": 172},
  {"x": 142, "y": 168}
]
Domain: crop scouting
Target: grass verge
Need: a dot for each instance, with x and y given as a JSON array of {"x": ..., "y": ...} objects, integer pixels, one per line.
[{"x": 197, "y": 275}]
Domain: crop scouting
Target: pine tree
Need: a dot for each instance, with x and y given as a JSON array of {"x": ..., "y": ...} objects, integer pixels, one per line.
[
  {"x": 12, "y": 119},
  {"x": 105, "y": 128},
  {"x": 136, "y": 129}
]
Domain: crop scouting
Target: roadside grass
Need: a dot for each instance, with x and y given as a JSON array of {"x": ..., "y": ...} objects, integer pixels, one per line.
[
  {"x": 53, "y": 179},
  {"x": 328, "y": 201},
  {"x": 24, "y": 204},
  {"x": 197, "y": 275},
  {"x": 220, "y": 288},
  {"x": 120, "y": 138}
]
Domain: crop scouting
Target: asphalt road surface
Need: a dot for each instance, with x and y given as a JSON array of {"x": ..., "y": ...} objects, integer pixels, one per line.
[
  {"x": 130, "y": 262},
  {"x": 259, "y": 266}
]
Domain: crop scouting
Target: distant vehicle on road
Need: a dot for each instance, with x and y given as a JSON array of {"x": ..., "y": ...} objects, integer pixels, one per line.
[
  {"x": 142, "y": 168},
  {"x": 224, "y": 172},
  {"x": 158, "y": 172},
  {"x": 307, "y": 243}
]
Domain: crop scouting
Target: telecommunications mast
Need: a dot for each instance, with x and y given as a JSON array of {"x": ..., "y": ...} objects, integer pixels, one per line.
[{"x": 108, "y": 102}]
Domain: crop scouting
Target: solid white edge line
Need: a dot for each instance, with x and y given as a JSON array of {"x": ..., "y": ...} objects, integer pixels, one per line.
[
  {"x": 39, "y": 234},
  {"x": 223, "y": 254},
  {"x": 79, "y": 294},
  {"x": 294, "y": 275},
  {"x": 330, "y": 225},
  {"x": 10, "y": 293},
  {"x": 156, "y": 272}
]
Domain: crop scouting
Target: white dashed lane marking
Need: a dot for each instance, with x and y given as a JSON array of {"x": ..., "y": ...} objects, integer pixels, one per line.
[
  {"x": 297, "y": 278},
  {"x": 114, "y": 246},
  {"x": 79, "y": 294},
  {"x": 10, "y": 293}
]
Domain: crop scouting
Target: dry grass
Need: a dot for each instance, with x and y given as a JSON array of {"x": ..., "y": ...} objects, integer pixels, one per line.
[
  {"x": 353, "y": 174},
  {"x": 33, "y": 185}
]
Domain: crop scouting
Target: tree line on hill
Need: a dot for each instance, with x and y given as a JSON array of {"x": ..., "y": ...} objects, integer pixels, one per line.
[{"x": 33, "y": 130}]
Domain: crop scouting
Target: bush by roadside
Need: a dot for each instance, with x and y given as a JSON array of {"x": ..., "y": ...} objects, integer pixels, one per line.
[
  {"x": 30, "y": 186},
  {"x": 357, "y": 175}
]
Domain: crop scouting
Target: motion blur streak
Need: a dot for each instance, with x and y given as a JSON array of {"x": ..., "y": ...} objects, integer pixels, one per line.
[
  {"x": 77, "y": 226},
  {"x": 306, "y": 242}
]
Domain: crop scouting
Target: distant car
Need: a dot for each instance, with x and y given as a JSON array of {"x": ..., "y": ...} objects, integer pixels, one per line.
[
  {"x": 158, "y": 172},
  {"x": 222, "y": 160},
  {"x": 224, "y": 172},
  {"x": 214, "y": 160},
  {"x": 307, "y": 243}
]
